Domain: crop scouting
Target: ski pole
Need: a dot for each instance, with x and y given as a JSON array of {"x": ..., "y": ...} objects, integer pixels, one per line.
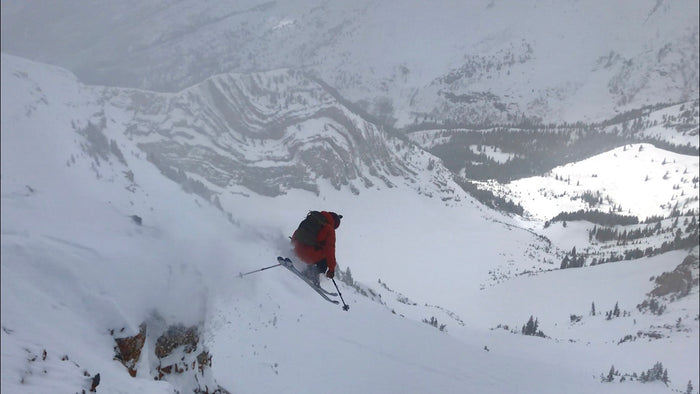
[
  {"x": 345, "y": 306},
  {"x": 261, "y": 269}
]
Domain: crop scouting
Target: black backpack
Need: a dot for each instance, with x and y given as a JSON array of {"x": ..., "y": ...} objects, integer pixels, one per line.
[{"x": 309, "y": 228}]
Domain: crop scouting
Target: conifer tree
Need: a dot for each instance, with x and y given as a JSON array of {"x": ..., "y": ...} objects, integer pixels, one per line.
[
  {"x": 347, "y": 278},
  {"x": 611, "y": 374},
  {"x": 530, "y": 327},
  {"x": 564, "y": 263}
]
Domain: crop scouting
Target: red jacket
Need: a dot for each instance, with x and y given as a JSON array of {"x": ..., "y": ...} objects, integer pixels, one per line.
[{"x": 326, "y": 239}]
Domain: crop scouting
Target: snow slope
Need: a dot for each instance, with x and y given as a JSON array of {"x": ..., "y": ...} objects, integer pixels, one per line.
[
  {"x": 639, "y": 180},
  {"x": 75, "y": 265}
]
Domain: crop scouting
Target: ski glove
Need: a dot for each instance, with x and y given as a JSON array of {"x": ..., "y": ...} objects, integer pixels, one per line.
[{"x": 330, "y": 274}]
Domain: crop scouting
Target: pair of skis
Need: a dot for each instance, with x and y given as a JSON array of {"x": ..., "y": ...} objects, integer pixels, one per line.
[
  {"x": 287, "y": 263},
  {"x": 325, "y": 294}
]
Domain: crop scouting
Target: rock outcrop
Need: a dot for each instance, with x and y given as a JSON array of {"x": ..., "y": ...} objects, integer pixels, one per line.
[
  {"x": 129, "y": 349},
  {"x": 172, "y": 353}
]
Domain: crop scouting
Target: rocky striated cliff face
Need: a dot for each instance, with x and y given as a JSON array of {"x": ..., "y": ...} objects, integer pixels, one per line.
[
  {"x": 259, "y": 133},
  {"x": 268, "y": 133}
]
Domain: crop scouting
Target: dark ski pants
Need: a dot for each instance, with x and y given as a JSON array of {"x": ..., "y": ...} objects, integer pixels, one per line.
[{"x": 314, "y": 270}]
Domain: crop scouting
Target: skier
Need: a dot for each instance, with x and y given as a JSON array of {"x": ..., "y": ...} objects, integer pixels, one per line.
[{"x": 314, "y": 243}]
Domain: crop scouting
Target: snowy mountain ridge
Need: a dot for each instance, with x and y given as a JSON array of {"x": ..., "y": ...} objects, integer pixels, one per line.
[{"x": 483, "y": 62}]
